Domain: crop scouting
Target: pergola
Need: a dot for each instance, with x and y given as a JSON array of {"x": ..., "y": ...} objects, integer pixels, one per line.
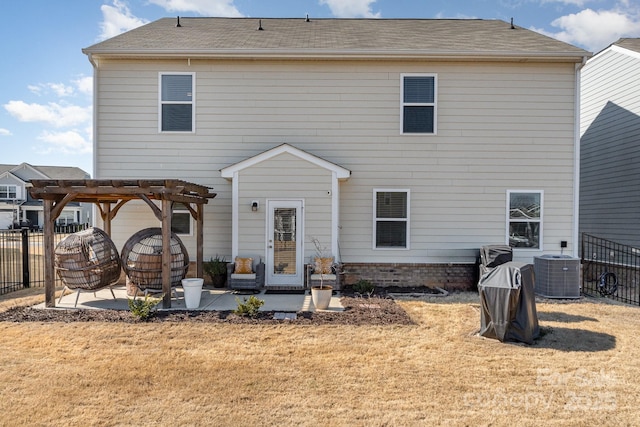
[{"x": 110, "y": 195}]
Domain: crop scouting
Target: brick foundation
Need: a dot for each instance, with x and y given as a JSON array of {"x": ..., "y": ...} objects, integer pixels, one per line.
[{"x": 447, "y": 276}]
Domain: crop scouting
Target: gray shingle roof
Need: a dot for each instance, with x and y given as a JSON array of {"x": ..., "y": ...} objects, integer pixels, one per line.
[
  {"x": 631, "y": 44},
  {"x": 333, "y": 37},
  {"x": 52, "y": 172}
]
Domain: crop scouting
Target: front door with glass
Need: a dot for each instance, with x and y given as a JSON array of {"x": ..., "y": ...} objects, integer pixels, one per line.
[{"x": 284, "y": 243}]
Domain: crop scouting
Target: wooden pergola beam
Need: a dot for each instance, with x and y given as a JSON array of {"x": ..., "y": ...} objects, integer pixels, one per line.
[{"x": 105, "y": 192}]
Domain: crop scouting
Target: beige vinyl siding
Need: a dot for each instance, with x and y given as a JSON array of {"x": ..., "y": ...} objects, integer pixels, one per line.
[
  {"x": 500, "y": 126},
  {"x": 280, "y": 178}
]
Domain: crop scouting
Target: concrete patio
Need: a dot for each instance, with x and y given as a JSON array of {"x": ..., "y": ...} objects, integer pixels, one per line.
[{"x": 211, "y": 299}]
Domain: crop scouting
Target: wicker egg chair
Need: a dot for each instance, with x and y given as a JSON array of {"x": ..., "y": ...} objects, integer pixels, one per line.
[
  {"x": 87, "y": 261},
  {"x": 141, "y": 259}
]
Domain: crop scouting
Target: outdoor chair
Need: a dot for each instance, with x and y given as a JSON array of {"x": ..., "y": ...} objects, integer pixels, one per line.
[
  {"x": 142, "y": 260},
  {"x": 246, "y": 273},
  {"x": 87, "y": 261},
  {"x": 323, "y": 271}
]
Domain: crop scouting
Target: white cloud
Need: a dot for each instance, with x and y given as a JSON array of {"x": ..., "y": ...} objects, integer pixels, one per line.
[
  {"x": 351, "y": 8},
  {"x": 59, "y": 89},
  {"x": 5, "y": 132},
  {"x": 117, "y": 19},
  {"x": 84, "y": 85},
  {"x": 35, "y": 89},
  {"x": 202, "y": 7},
  {"x": 579, "y": 3},
  {"x": 69, "y": 142},
  {"x": 58, "y": 115},
  {"x": 595, "y": 30}
]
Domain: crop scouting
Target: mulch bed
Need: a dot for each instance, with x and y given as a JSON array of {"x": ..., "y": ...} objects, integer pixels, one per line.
[{"x": 358, "y": 311}]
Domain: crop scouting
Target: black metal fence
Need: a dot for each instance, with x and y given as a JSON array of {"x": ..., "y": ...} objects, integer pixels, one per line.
[
  {"x": 22, "y": 257},
  {"x": 610, "y": 269}
]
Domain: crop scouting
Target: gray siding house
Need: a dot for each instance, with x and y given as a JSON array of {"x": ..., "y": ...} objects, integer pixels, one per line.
[
  {"x": 17, "y": 206},
  {"x": 400, "y": 145},
  {"x": 610, "y": 144}
]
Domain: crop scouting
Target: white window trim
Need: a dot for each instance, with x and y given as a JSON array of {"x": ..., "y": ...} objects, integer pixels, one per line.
[
  {"x": 185, "y": 211},
  {"x": 541, "y": 220},
  {"x": 193, "y": 101},
  {"x": 407, "y": 219},
  {"x": 9, "y": 186},
  {"x": 434, "y": 104}
]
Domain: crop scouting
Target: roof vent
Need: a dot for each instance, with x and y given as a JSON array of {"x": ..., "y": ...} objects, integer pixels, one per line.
[
  {"x": 178, "y": 22},
  {"x": 307, "y": 20},
  {"x": 513, "y": 27},
  {"x": 260, "y": 25}
]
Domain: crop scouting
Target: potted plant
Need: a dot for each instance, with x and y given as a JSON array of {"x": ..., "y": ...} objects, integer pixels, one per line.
[
  {"x": 323, "y": 264},
  {"x": 216, "y": 268}
]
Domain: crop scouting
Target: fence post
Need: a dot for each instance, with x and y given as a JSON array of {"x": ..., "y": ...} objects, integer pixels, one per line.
[{"x": 25, "y": 258}]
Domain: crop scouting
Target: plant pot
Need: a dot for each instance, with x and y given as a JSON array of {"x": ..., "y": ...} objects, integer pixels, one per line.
[
  {"x": 321, "y": 297},
  {"x": 192, "y": 292},
  {"x": 219, "y": 280}
]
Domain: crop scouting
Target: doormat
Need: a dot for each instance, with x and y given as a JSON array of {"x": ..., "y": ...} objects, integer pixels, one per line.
[{"x": 285, "y": 291}]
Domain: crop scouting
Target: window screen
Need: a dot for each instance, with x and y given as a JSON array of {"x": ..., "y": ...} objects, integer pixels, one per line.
[
  {"x": 391, "y": 219},
  {"x": 176, "y": 102},
  {"x": 418, "y": 104},
  {"x": 525, "y": 219},
  {"x": 180, "y": 219}
]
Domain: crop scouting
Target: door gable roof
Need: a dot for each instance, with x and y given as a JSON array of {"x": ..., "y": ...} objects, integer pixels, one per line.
[{"x": 229, "y": 171}]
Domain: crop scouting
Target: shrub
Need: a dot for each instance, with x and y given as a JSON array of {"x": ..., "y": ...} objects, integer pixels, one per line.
[
  {"x": 364, "y": 287},
  {"x": 143, "y": 309},
  {"x": 249, "y": 307}
]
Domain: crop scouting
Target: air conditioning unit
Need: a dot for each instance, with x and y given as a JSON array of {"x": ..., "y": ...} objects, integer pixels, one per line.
[{"x": 557, "y": 276}]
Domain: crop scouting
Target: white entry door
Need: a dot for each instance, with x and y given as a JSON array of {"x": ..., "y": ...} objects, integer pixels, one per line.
[{"x": 285, "y": 262}]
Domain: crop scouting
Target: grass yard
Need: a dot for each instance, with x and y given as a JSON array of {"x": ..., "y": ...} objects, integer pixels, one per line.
[{"x": 583, "y": 371}]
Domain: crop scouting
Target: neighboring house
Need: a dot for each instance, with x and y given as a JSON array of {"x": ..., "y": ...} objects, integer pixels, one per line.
[
  {"x": 610, "y": 143},
  {"x": 16, "y": 205},
  {"x": 402, "y": 146}
]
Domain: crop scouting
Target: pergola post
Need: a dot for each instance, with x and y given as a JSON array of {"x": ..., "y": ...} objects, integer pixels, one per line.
[
  {"x": 48, "y": 251},
  {"x": 166, "y": 253},
  {"x": 199, "y": 241}
]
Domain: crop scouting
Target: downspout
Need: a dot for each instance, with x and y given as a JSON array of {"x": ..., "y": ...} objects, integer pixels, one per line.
[
  {"x": 94, "y": 211},
  {"x": 576, "y": 162},
  {"x": 95, "y": 114}
]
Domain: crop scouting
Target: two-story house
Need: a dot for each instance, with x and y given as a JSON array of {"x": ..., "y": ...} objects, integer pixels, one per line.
[
  {"x": 610, "y": 143},
  {"x": 17, "y": 207},
  {"x": 401, "y": 145}
]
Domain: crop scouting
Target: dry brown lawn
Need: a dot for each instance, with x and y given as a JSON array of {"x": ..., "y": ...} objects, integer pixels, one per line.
[{"x": 583, "y": 371}]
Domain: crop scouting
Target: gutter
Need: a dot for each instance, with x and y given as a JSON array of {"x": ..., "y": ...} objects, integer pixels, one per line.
[{"x": 334, "y": 54}]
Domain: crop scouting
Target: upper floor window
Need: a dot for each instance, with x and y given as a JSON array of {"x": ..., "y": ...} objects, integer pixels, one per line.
[
  {"x": 391, "y": 221},
  {"x": 419, "y": 103},
  {"x": 8, "y": 192},
  {"x": 177, "y": 101},
  {"x": 524, "y": 223}
]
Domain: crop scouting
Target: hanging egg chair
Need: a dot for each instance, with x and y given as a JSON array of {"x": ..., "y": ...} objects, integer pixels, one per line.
[
  {"x": 141, "y": 259},
  {"x": 87, "y": 261}
]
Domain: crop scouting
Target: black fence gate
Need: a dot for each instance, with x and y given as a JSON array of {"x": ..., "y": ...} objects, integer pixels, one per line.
[
  {"x": 22, "y": 257},
  {"x": 610, "y": 269}
]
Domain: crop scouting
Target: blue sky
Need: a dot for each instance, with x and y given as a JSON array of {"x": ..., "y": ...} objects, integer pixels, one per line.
[{"x": 45, "y": 94}]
